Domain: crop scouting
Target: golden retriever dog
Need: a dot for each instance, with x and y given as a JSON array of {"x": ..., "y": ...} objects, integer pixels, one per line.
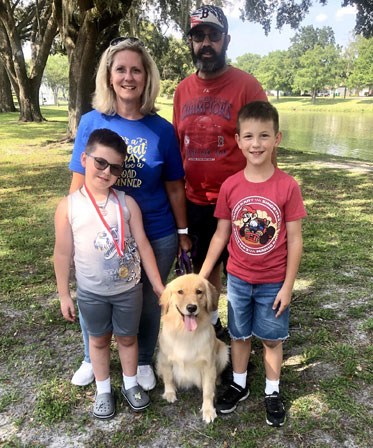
[{"x": 189, "y": 352}]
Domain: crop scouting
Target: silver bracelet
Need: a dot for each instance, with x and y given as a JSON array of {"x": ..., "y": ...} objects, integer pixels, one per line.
[{"x": 183, "y": 231}]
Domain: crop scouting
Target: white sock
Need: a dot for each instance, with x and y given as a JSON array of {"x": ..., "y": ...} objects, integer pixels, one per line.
[
  {"x": 272, "y": 386},
  {"x": 129, "y": 381},
  {"x": 240, "y": 379},
  {"x": 103, "y": 387},
  {"x": 214, "y": 317}
]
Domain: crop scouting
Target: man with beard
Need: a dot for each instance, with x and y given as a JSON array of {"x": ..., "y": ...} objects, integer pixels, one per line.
[{"x": 206, "y": 105}]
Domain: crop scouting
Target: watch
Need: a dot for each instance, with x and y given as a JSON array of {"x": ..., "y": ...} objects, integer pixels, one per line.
[{"x": 183, "y": 231}]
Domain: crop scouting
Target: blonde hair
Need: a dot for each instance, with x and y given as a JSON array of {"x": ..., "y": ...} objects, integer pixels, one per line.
[{"x": 104, "y": 98}]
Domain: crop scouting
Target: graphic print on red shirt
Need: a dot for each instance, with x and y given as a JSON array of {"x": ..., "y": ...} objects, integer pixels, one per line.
[
  {"x": 256, "y": 225},
  {"x": 205, "y": 113}
]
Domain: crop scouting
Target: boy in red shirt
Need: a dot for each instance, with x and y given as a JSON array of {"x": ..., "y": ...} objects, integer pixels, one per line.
[{"x": 259, "y": 211}]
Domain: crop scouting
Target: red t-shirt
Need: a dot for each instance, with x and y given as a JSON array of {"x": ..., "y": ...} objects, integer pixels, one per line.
[
  {"x": 258, "y": 213},
  {"x": 205, "y": 114}
]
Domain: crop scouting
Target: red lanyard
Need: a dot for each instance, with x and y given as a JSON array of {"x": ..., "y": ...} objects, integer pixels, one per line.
[{"x": 120, "y": 218}]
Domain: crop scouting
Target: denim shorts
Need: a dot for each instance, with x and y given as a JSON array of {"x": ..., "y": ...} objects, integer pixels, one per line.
[
  {"x": 118, "y": 314},
  {"x": 250, "y": 310}
]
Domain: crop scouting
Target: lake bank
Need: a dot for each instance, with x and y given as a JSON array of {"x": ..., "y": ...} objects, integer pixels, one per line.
[
  {"x": 350, "y": 104},
  {"x": 334, "y": 105}
]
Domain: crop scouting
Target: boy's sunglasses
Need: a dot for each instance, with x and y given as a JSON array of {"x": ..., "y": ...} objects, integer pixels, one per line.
[
  {"x": 101, "y": 164},
  {"x": 214, "y": 36},
  {"x": 118, "y": 40}
]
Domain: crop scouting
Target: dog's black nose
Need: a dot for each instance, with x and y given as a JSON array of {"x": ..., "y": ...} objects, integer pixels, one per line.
[{"x": 191, "y": 308}]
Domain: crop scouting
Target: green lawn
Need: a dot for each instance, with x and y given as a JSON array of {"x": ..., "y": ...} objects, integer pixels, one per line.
[{"x": 327, "y": 376}]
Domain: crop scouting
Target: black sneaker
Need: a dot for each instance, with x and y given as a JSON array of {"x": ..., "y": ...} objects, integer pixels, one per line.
[
  {"x": 274, "y": 409},
  {"x": 227, "y": 402},
  {"x": 220, "y": 331}
]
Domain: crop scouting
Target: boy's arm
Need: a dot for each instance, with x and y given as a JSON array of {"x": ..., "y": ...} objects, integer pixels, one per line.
[
  {"x": 294, "y": 247},
  {"x": 148, "y": 260},
  {"x": 63, "y": 250},
  {"x": 217, "y": 244}
]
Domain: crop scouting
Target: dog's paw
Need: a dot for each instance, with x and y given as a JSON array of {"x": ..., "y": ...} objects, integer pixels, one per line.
[
  {"x": 170, "y": 396},
  {"x": 208, "y": 415}
]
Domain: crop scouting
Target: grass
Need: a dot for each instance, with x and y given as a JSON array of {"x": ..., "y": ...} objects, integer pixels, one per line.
[{"x": 328, "y": 365}]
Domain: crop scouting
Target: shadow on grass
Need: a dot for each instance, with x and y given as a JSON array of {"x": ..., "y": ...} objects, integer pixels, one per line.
[{"x": 34, "y": 132}]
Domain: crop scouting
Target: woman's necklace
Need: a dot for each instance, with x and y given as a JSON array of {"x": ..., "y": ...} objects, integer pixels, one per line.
[{"x": 103, "y": 207}]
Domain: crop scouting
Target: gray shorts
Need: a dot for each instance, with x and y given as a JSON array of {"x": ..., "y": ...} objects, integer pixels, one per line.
[{"x": 118, "y": 314}]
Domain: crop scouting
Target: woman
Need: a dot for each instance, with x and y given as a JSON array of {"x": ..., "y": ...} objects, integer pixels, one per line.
[{"x": 127, "y": 84}]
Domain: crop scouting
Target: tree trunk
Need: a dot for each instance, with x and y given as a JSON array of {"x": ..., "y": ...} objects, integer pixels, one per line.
[
  {"x": 81, "y": 76},
  {"x": 26, "y": 85},
  {"x": 6, "y": 98},
  {"x": 55, "y": 96},
  {"x": 278, "y": 95},
  {"x": 29, "y": 101},
  {"x": 313, "y": 96},
  {"x": 96, "y": 26}
]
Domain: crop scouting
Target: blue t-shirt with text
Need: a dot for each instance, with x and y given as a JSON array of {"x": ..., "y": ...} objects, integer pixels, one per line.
[{"x": 153, "y": 157}]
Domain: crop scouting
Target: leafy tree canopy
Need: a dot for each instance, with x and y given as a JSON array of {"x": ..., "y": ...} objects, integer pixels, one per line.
[
  {"x": 308, "y": 37},
  {"x": 320, "y": 67},
  {"x": 290, "y": 12},
  {"x": 56, "y": 73},
  {"x": 248, "y": 62},
  {"x": 362, "y": 66},
  {"x": 274, "y": 71}
]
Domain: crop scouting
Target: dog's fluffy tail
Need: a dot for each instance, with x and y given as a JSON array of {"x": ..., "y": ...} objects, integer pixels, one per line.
[{"x": 222, "y": 357}]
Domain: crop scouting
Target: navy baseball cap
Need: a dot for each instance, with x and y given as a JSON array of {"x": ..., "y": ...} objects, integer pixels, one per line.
[{"x": 209, "y": 15}]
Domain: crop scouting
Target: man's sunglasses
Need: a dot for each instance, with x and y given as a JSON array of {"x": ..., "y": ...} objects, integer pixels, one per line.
[
  {"x": 118, "y": 40},
  {"x": 101, "y": 164},
  {"x": 214, "y": 36}
]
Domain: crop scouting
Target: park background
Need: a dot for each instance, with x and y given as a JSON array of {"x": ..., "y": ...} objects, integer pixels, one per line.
[{"x": 328, "y": 370}]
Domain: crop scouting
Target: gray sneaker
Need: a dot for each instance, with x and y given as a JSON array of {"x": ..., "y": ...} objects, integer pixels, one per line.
[
  {"x": 136, "y": 397},
  {"x": 104, "y": 407}
]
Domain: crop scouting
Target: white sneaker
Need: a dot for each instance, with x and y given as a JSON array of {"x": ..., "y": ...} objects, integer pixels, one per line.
[
  {"x": 84, "y": 375},
  {"x": 145, "y": 377}
]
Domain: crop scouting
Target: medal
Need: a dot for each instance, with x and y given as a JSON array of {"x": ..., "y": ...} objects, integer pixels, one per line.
[{"x": 123, "y": 272}]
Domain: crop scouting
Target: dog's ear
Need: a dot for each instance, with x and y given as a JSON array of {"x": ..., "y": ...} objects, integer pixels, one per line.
[
  {"x": 212, "y": 296},
  {"x": 165, "y": 299}
]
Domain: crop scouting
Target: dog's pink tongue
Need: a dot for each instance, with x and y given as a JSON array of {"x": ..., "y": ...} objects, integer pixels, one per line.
[{"x": 190, "y": 323}]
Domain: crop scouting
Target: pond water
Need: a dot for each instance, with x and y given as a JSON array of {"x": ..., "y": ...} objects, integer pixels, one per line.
[{"x": 343, "y": 134}]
